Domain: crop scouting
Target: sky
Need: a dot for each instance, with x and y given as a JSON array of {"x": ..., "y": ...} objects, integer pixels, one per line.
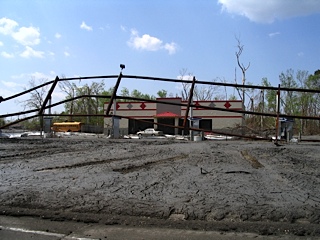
[{"x": 42, "y": 39}]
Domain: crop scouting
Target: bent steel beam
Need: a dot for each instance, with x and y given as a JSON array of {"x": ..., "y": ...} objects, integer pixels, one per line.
[
  {"x": 48, "y": 95},
  {"x": 114, "y": 94},
  {"x": 189, "y": 102}
]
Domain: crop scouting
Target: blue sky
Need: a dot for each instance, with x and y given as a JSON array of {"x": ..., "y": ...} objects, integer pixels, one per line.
[{"x": 43, "y": 39}]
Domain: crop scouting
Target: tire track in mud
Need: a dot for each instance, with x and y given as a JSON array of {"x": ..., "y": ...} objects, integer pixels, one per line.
[
  {"x": 84, "y": 164},
  {"x": 35, "y": 148},
  {"x": 133, "y": 168},
  {"x": 104, "y": 161},
  {"x": 32, "y": 153}
]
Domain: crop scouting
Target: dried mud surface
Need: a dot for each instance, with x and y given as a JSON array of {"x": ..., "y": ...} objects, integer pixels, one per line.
[{"x": 212, "y": 185}]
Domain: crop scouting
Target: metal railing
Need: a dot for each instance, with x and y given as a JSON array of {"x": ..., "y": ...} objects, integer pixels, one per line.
[{"x": 41, "y": 111}]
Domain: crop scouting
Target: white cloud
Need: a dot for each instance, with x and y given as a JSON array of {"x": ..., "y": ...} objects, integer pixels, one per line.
[
  {"x": 57, "y": 35},
  {"x": 171, "y": 47},
  {"x": 39, "y": 75},
  {"x": 66, "y": 54},
  {"x": 85, "y": 26},
  {"x": 58, "y": 95},
  {"x": 274, "y": 34},
  {"x": 179, "y": 86},
  {"x": 7, "y": 26},
  {"x": 27, "y": 36},
  {"x": 270, "y": 10},
  {"x": 5, "y": 92},
  {"x": 36, "y": 75},
  {"x": 7, "y": 55},
  {"x": 146, "y": 42},
  {"x": 149, "y": 43},
  {"x": 29, "y": 52},
  {"x": 10, "y": 88},
  {"x": 1, "y": 44},
  {"x": 18, "y": 76},
  {"x": 104, "y": 27},
  {"x": 185, "y": 77},
  {"x": 11, "y": 84}
]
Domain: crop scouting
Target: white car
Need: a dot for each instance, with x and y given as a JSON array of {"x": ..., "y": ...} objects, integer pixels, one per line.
[{"x": 149, "y": 132}]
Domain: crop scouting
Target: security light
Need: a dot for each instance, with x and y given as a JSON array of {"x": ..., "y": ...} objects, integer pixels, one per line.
[{"x": 122, "y": 66}]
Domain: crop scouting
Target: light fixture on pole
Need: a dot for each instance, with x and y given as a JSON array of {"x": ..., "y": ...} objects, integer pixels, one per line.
[{"x": 122, "y": 66}]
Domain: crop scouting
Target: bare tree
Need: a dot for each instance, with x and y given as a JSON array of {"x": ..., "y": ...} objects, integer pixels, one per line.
[
  {"x": 69, "y": 89},
  {"x": 221, "y": 92},
  {"x": 83, "y": 105},
  {"x": 36, "y": 96},
  {"x": 185, "y": 92},
  {"x": 203, "y": 92},
  {"x": 241, "y": 65},
  {"x": 243, "y": 70},
  {"x": 36, "y": 99}
]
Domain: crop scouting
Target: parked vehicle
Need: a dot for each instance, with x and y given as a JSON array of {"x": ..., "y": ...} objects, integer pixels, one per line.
[
  {"x": 217, "y": 137},
  {"x": 149, "y": 132},
  {"x": 66, "y": 127}
]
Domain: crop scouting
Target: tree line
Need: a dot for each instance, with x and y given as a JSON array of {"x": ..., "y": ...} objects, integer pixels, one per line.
[{"x": 291, "y": 103}]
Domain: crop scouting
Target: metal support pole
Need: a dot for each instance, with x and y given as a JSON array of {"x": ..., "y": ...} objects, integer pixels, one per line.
[
  {"x": 191, "y": 122},
  {"x": 262, "y": 110},
  {"x": 189, "y": 102},
  {"x": 48, "y": 98},
  {"x": 48, "y": 95},
  {"x": 278, "y": 113},
  {"x": 115, "y": 121},
  {"x": 114, "y": 94}
]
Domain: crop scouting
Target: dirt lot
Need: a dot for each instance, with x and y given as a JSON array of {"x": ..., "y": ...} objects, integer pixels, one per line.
[{"x": 243, "y": 186}]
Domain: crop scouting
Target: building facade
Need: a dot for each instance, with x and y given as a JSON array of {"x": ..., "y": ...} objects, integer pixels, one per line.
[{"x": 163, "y": 117}]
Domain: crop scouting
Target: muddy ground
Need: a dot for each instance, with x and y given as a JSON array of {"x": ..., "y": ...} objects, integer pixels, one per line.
[{"x": 244, "y": 186}]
